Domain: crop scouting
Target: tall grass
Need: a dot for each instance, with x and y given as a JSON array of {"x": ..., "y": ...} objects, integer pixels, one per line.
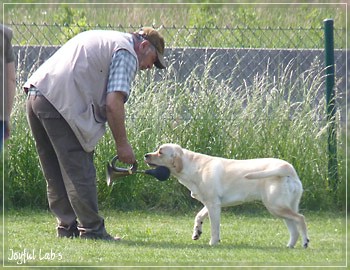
[
  {"x": 253, "y": 15},
  {"x": 275, "y": 117},
  {"x": 197, "y": 25}
]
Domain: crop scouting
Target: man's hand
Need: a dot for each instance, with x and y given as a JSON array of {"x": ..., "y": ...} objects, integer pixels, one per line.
[{"x": 126, "y": 154}]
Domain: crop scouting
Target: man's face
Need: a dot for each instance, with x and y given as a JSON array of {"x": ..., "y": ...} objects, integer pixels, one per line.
[{"x": 147, "y": 55}]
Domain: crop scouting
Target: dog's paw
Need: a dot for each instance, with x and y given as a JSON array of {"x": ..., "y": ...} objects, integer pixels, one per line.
[
  {"x": 305, "y": 245},
  {"x": 196, "y": 235},
  {"x": 214, "y": 242}
]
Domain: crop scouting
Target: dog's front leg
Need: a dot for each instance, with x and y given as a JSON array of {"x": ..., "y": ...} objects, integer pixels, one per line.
[
  {"x": 198, "y": 222},
  {"x": 214, "y": 216}
]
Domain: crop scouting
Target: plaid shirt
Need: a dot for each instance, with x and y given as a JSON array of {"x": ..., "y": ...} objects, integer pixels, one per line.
[{"x": 122, "y": 72}]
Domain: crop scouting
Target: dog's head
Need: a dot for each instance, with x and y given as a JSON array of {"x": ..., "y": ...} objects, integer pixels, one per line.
[{"x": 168, "y": 155}]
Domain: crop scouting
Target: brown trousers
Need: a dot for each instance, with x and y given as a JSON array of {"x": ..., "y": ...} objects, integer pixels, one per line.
[{"x": 69, "y": 170}]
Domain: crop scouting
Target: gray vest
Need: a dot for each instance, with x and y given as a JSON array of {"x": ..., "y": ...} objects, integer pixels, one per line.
[{"x": 74, "y": 81}]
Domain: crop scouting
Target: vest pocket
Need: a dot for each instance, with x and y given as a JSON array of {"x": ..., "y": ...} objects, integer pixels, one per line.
[{"x": 99, "y": 118}]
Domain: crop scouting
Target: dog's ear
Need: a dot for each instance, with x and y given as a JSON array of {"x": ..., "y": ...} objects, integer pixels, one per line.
[
  {"x": 177, "y": 159},
  {"x": 177, "y": 162}
]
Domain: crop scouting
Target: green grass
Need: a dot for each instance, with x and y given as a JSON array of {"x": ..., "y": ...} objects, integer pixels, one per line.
[
  {"x": 178, "y": 13},
  {"x": 197, "y": 25},
  {"x": 201, "y": 114},
  {"x": 164, "y": 239},
  {"x": 281, "y": 117}
]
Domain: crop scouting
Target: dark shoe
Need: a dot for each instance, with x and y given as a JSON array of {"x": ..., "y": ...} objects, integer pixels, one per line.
[{"x": 68, "y": 231}]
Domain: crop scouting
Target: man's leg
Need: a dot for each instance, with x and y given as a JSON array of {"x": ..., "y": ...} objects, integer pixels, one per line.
[
  {"x": 76, "y": 168},
  {"x": 56, "y": 191}
]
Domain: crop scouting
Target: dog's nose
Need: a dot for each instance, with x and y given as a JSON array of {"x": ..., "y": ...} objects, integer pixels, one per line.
[{"x": 147, "y": 155}]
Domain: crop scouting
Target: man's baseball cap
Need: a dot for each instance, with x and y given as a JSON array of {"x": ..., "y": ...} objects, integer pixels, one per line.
[{"x": 157, "y": 41}]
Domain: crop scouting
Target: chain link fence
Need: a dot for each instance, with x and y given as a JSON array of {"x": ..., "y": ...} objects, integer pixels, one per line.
[
  {"x": 190, "y": 37},
  {"x": 234, "y": 54}
]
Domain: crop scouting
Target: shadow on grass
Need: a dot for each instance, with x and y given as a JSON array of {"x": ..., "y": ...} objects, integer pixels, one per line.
[{"x": 195, "y": 245}]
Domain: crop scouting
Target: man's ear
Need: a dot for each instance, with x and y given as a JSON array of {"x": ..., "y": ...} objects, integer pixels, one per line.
[{"x": 145, "y": 44}]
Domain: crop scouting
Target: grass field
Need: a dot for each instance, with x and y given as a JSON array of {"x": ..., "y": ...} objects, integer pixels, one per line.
[
  {"x": 163, "y": 239},
  {"x": 242, "y": 124}
]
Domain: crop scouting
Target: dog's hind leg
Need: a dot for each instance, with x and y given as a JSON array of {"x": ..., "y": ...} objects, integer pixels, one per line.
[
  {"x": 293, "y": 231},
  {"x": 298, "y": 219},
  {"x": 198, "y": 222}
]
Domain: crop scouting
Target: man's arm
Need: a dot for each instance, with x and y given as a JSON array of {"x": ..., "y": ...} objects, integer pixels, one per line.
[
  {"x": 10, "y": 93},
  {"x": 11, "y": 86},
  {"x": 116, "y": 121}
]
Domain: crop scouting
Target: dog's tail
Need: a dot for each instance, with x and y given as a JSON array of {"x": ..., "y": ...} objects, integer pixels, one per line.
[{"x": 281, "y": 171}]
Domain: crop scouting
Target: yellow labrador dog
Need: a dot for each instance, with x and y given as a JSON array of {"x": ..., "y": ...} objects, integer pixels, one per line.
[{"x": 219, "y": 182}]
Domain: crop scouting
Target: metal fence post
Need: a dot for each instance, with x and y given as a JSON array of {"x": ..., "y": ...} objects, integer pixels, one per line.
[{"x": 330, "y": 104}]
